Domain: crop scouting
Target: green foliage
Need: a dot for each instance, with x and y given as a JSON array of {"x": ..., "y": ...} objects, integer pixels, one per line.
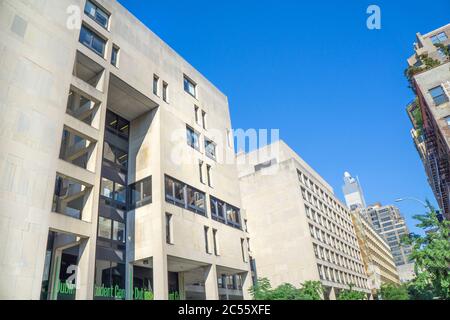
[
  {"x": 431, "y": 254},
  {"x": 350, "y": 294},
  {"x": 445, "y": 49},
  {"x": 394, "y": 292},
  {"x": 310, "y": 290},
  {"x": 427, "y": 64}
]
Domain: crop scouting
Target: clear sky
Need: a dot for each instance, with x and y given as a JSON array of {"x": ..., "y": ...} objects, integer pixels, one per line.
[{"x": 312, "y": 69}]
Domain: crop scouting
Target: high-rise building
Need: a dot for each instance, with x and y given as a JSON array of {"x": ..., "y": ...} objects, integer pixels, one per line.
[
  {"x": 430, "y": 111},
  {"x": 376, "y": 254},
  {"x": 112, "y": 178},
  {"x": 353, "y": 193},
  {"x": 390, "y": 224},
  {"x": 300, "y": 231}
]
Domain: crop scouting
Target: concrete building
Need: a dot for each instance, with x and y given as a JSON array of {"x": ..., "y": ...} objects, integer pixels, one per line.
[
  {"x": 376, "y": 255},
  {"x": 300, "y": 231},
  {"x": 390, "y": 224},
  {"x": 429, "y": 70},
  {"x": 354, "y": 197},
  {"x": 112, "y": 179}
]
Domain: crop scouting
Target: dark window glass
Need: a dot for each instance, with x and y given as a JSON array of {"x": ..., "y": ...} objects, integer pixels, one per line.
[
  {"x": 190, "y": 87},
  {"x": 92, "y": 41},
  {"x": 115, "y": 56},
  {"x": 141, "y": 193},
  {"x": 193, "y": 138},
  {"x": 97, "y": 14}
]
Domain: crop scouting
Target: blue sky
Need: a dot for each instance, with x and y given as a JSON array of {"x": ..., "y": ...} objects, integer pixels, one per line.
[{"x": 312, "y": 69}]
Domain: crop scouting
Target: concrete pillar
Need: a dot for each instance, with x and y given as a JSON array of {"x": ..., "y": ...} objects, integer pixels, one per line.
[
  {"x": 86, "y": 270},
  {"x": 332, "y": 295},
  {"x": 160, "y": 277},
  {"x": 181, "y": 284},
  {"x": 211, "y": 286},
  {"x": 129, "y": 281},
  {"x": 246, "y": 286}
]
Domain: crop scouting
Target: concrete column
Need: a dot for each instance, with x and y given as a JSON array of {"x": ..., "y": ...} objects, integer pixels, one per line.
[
  {"x": 332, "y": 295},
  {"x": 129, "y": 281},
  {"x": 211, "y": 286},
  {"x": 160, "y": 277},
  {"x": 86, "y": 270},
  {"x": 246, "y": 286},
  {"x": 181, "y": 284}
]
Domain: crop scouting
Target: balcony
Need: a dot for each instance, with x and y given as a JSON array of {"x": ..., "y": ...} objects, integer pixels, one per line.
[
  {"x": 70, "y": 197},
  {"x": 78, "y": 150}
]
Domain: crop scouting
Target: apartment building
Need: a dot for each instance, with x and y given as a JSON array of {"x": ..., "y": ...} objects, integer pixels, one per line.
[
  {"x": 299, "y": 230},
  {"x": 376, "y": 255},
  {"x": 391, "y": 225},
  {"x": 112, "y": 179},
  {"x": 429, "y": 71}
]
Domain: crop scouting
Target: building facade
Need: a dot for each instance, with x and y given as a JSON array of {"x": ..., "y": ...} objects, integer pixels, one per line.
[
  {"x": 388, "y": 222},
  {"x": 429, "y": 72},
  {"x": 113, "y": 184},
  {"x": 376, "y": 254},
  {"x": 354, "y": 197},
  {"x": 299, "y": 230}
]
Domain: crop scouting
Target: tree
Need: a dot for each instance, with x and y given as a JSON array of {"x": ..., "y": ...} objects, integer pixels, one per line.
[
  {"x": 391, "y": 291},
  {"x": 431, "y": 254},
  {"x": 445, "y": 49},
  {"x": 350, "y": 294},
  {"x": 310, "y": 290}
]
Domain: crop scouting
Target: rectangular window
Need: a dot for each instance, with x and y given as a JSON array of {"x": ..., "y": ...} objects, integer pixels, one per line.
[
  {"x": 117, "y": 125},
  {"x": 200, "y": 169},
  {"x": 244, "y": 257},
  {"x": 204, "y": 119},
  {"x": 441, "y": 37},
  {"x": 190, "y": 87},
  {"x": 169, "y": 239},
  {"x": 215, "y": 242},
  {"x": 113, "y": 190},
  {"x": 93, "y": 41},
  {"x": 206, "y": 231},
  {"x": 104, "y": 228},
  {"x": 196, "y": 110},
  {"x": 165, "y": 94},
  {"x": 97, "y": 14},
  {"x": 208, "y": 175},
  {"x": 115, "y": 56},
  {"x": 193, "y": 138},
  {"x": 155, "y": 85},
  {"x": 185, "y": 196},
  {"x": 118, "y": 231},
  {"x": 438, "y": 95},
  {"x": 210, "y": 149},
  {"x": 140, "y": 193}
]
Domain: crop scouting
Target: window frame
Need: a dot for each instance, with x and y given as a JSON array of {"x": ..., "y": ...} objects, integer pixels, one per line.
[
  {"x": 188, "y": 81},
  {"x": 94, "y": 35},
  {"x": 97, "y": 8},
  {"x": 440, "y": 99},
  {"x": 143, "y": 200}
]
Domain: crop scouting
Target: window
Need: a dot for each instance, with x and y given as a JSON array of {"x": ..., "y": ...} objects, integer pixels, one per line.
[
  {"x": 169, "y": 239},
  {"x": 244, "y": 257},
  {"x": 210, "y": 149},
  {"x": 208, "y": 175},
  {"x": 206, "y": 231},
  {"x": 190, "y": 87},
  {"x": 215, "y": 242},
  {"x": 113, "y": 190},
  {"x": 155, "y": 85},
  {"x": 104, "y": 228},
  {"x": 438, "y": 95},
  {"x": 118, "y": 231},
  {"x": 225, "y": 213},
  {"x": 98, "y": 15},
  {"x": 117, "y": 125},
  {"x": 204, "y": 119},
  {"x": 193, "y": 138},
  {"x": 441, "y": 37},
  {"x": 217, "y": 209},
  {"x": 200, "y": 169},
  {"x": 115, "y": 156},
  {"x": 93, "y": 41},
  {"x": 165, "y": 92},
  {"x": 196, "y": 110},
  {"x": 185, "y": 196},
  {"x": 233, "y": 216},
  {"x": 140, "y": 193},
  {"x": 115, "y": 56}
]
